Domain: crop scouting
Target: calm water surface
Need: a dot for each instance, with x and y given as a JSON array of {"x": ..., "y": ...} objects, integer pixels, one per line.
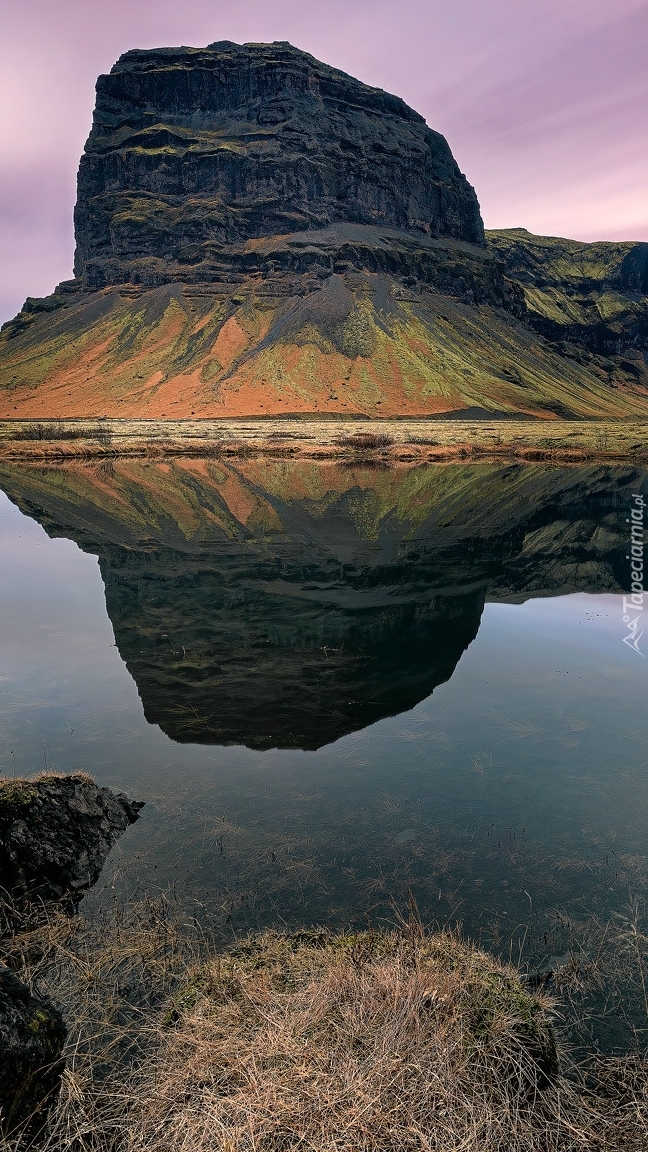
[{"x": 363, "y": 690}]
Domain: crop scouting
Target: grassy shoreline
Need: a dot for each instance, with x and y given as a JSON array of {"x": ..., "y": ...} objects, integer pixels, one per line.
[
  {"x": 372, "y": 1041},
  {"x": 387, "y": 441},
  {"x": 397, "y": 1039}
]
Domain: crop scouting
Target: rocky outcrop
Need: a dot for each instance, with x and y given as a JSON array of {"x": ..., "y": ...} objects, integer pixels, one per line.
[
  {"x": 589, "y": 300},
  {"x": 195, "y": 151},
  {"x": 55, "y": 835},
  {"x": 32, "y": 1034}
]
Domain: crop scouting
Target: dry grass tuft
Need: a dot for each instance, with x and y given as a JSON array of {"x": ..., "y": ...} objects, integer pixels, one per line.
[
  {"x": 362, "y": 441},
  {"x": 364, "y": 1042},
  {"x": 372, "y": 1041},
  {"x": 52, "y": 774},
  {"x": 59, "y": 430}
]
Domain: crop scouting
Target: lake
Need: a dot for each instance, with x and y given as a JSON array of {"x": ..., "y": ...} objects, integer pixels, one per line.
[{"x": 333, "y": 684}]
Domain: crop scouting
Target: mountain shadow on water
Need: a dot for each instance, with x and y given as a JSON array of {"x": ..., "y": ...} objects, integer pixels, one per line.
[{"x": 287, "y": 604}]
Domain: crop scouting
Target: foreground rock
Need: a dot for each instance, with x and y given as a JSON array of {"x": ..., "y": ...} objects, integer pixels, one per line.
[
  {"x": 261, "y": 234},
  {"x": 32, "y": 1034},
  {"x": 55, "y": 835}
]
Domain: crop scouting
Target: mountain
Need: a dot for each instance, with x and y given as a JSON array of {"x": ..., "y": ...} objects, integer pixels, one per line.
[
  {"x": 287, "y": 603},
  {"x": 260, "y": 234},
  {"x": 195, "y": 152}
]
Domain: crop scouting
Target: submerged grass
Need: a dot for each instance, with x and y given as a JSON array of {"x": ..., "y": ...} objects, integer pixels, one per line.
[{"x": 385, "y": 1041}]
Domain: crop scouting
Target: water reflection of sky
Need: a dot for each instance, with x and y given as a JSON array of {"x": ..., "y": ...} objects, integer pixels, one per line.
[{"x": 517, "y": 778}]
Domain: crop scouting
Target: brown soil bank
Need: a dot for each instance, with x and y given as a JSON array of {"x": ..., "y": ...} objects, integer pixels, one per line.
[{"x": 261, "y": 234}]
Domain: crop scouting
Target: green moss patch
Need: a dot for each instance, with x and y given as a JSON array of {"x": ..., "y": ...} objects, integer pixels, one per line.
[{"x": 15, "y": 795}]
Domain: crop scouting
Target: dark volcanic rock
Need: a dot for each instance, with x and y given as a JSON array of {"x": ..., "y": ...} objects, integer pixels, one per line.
[
  {"x": 195, "y": 152},
  {"x": 55, "y": 834},
  {"x": 279, "y": 238},
  {"x": 590, "y": 300},
  {"x": 32, "y": 1034}
]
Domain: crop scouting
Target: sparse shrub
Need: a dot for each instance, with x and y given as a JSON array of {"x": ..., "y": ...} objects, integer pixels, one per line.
[
  {"x": 50, "y": 431},
  {"x": 57, "y": 430},
  {"x": 363, "y": 441}
]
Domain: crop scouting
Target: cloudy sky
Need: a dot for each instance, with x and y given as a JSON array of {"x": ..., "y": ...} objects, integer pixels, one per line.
[{"x": 544, "y": 102}]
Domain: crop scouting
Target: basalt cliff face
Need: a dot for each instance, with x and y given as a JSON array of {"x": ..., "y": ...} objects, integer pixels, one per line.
[
  {"x": 195, "y": 152},
  {"x": 589, "y": 300},
  {"x": 261, "y": 234}
]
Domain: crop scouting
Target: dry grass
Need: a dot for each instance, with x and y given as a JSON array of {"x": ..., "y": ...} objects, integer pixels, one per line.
[
  {"x": 370, "y": 1042},
  {"x": 363, "y": 441},
  {"x": 375, "y": 1041},
  {"x": 406, "y": 441},
  {"x": 44, "y": 774}
]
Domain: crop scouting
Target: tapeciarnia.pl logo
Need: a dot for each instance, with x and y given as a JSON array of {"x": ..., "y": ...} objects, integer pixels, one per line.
[{"x": 633, "y": 604}]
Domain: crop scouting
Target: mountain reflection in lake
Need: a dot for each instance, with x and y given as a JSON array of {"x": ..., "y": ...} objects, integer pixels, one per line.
[
  {"x": 288, "y": 604},
  {"x": 356, "y": 681}
]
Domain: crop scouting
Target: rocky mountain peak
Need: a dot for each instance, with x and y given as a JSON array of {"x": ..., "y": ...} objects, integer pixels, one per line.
[
  {"x": 259, "y": 234},
  {"x": 196, "y": 151}
]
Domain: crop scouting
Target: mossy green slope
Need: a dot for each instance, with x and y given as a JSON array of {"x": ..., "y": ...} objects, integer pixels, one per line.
[
  {"x": 352, "y": 343},
  {"x": 590, "y": 300}
]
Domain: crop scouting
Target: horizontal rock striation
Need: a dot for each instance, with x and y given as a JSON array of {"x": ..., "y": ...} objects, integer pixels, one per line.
[{"x": 194, "y": 152}]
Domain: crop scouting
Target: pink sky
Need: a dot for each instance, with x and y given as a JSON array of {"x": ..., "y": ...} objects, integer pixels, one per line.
[{"x": 544, "y": 102}]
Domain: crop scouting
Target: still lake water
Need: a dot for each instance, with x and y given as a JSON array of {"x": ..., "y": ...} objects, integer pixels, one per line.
[{"x": 332, "y": 685}]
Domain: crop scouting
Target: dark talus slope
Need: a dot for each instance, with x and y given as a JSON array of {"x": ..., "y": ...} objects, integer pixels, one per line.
[
  {"x": 260, "y": 234},
  {"x": 278, "y": 604},
  {"x": 193, "y": 150}
]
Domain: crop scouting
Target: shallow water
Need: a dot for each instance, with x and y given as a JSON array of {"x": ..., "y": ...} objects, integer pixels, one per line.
[{"x": 330, "y": 686}]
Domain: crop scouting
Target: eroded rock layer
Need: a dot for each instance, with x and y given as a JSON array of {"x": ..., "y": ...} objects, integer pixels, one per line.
[{"x": 195, "y": 151}]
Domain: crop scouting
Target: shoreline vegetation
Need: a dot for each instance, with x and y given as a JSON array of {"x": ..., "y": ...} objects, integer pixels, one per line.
[
  {"x": 387, "y": 442},
  {"x": 369, "y": 1041},
  {"x": 400, "y": 1038}
]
